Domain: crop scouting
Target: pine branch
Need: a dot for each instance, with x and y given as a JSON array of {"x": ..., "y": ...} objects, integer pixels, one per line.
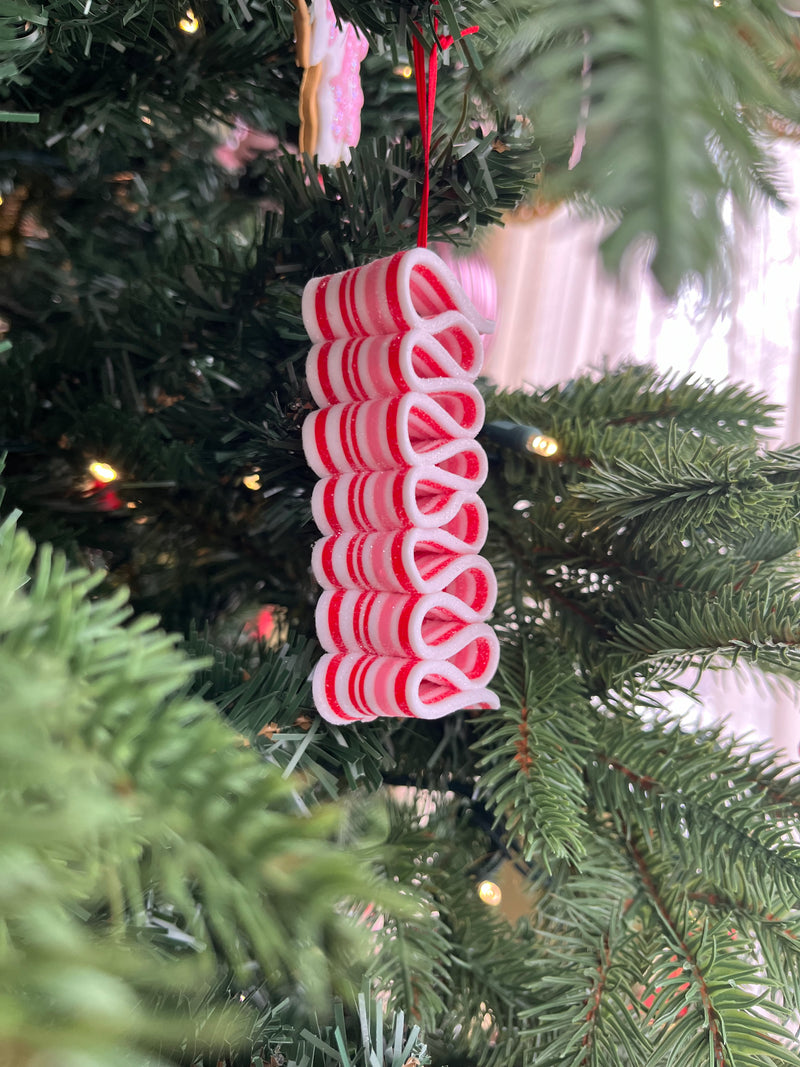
[
  {"x": 531, "y": 753},
  {"x": 361, "y": 1040},
  {"x": 661, "y": 777},
  {"x": 685, "y": 491},
  {"x": 735, "y": 1029},
  {"x": 413, "y": 955},
  {"x": 452, "y": 958},
  {"x": 675, "y": 90},
  {"x": 265, "y": 695},
  {"x": 638, "y": 395},
  {"x": 589, "y": 959},
  {"x": 370, "y": 208},
  {"x": 691, "y": 631},
  {"x": 142, "y": 792}
]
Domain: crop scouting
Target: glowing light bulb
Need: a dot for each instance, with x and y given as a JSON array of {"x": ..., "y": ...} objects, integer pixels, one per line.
[
  {"x": 521, "y": 438},
  {"x": 542, "y": 445},
  {"x": 403, "y": 70},
  {"x": 490, "y": 893},
  {"x": 102, "y": 472},
  {"x": 252, "y": 481},
  {"x": 190, "y": 23}
]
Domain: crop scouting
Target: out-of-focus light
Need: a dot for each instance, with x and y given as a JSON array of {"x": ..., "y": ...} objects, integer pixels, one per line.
[
  {"x": 403, "y": 70},
  {"x": 252, "y": 481},
  {"x": 490, "y": 893},
  {"x": 190, "y": 23},
  {"x": 102, "y": 472},
  {"x": 542, "y": 445}
]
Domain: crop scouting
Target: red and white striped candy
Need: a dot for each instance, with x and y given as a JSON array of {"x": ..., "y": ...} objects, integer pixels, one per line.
[
  {"x": 423, "y": 497},
  {"x": 393, "y": 432},
  {"x": 364, "y": 368},
  {"x": 402, "y": 619},
  {"x": 352, "y": 687},
  {"x": 417, "y": 625},
  {"x": 400, "y": 292},
  {"x": 407, "y": 561}
]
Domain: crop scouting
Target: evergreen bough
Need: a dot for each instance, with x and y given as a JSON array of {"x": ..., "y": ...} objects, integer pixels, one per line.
[{"x": 193, "y": 865}]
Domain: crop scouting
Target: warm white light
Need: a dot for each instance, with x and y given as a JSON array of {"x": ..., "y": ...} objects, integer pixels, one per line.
[
  {"x": 190, "y": 23},
  {"x": 403, "y": 70},
  {"x": 490, "y": 893},
  {"x": 542, "y": 445},
  {"x": 252, "y": 481},
  {"x": 102, "y": 472}
]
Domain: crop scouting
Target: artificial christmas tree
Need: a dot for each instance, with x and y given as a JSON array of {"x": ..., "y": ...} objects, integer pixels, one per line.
[{"x": 194, "y": 864}]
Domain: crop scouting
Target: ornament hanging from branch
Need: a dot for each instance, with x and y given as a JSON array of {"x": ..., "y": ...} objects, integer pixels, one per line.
[
  {"x": 396, "y": 349},
  {"x": 402, "y": 620},
  {"x": 330, "y": 92}
]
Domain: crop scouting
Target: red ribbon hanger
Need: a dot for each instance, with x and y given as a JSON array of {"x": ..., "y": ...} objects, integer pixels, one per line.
[{"x": 426, "y": 103}]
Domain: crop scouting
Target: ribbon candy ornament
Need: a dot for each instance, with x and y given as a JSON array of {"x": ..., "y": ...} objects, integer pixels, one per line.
[{"x": 395, "y": 351}]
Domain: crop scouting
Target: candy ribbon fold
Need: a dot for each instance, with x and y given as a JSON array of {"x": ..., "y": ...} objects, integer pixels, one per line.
[
  {"x": 408, "y": 290},
  {"x": 417, "y": 625},
  {"x": 367, "y": 368},
  {"x": 406, "y": 561},
  {"x": 350, "y": 687},
  {"x": 426, "y": 497},
  {"x": 398, "y": 431}
]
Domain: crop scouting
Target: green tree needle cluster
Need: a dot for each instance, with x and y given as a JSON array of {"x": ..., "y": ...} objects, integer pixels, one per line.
[{"x": 195, "y": 869}]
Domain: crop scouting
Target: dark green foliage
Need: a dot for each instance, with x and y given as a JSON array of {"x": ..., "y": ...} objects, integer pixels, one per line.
[
  {"x": 265, "y": 694},
  {"x": 166, "y": 292},
  {"x": 646, "y": 563},
  {"x": 532, "y": 751},
  {"x": 193, "y": 861}
]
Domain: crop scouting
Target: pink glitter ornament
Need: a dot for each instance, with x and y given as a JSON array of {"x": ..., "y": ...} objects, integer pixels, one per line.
[
  {"x": 339, "y": 99},
  {"x": 475, "y": 275}
]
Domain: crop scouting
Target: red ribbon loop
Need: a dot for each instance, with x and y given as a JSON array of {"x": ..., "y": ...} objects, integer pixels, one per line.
[{"x": 426, "y": 104}]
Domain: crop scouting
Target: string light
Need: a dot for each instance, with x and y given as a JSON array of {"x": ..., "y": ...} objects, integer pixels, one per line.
[
  {"x": 490, "y": 893},
  {"x": 252, "y": 481},
  {"x": 521, "y": 438},
  {"x": 190, "y": 23},
  {"x": 542, "y": 445},
  {"x": 102, "y": 472},
  {"x": 403, "y": 70}
]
